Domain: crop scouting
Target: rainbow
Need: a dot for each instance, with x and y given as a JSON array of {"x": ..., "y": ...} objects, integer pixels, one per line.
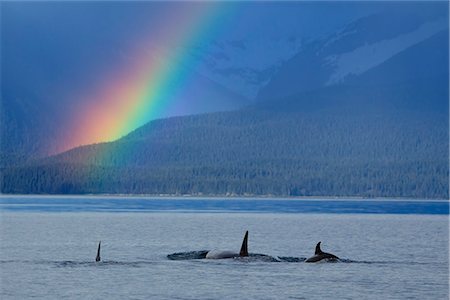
[{"x": 143, "y": 90}]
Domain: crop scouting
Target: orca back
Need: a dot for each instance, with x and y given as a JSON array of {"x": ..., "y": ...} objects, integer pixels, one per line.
[
  {"x": 318, "y": 250},
  {"x": 244, "y": 247},
  {"x": 320, "y": 255},
  {"x": 98, "y": 258}
]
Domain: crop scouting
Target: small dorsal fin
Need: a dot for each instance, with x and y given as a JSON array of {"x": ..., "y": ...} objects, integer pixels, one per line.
[
  {"x": 244, "y": 247},
  {"x": 318, "y": 250},
  {"x": 97, "y": 258}
]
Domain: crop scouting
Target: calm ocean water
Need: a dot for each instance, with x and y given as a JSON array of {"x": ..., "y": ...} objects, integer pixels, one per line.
[{"x": 390, "y": 249}]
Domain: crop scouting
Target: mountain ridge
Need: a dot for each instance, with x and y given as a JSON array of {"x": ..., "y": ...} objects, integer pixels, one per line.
[{"x": 379, "y": 133}]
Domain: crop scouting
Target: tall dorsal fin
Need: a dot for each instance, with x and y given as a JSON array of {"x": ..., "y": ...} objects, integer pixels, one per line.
[
  {"x": 244, "y": 247},
  {"x": 97, "y": 258},
  {"x": 318, "y": 250}
]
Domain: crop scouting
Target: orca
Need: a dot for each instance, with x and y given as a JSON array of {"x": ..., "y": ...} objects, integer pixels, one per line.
[
  {"x": 218, "y": 254},
  {"x": 97, "y": 258},
  {"x": 320, "y": 255}
]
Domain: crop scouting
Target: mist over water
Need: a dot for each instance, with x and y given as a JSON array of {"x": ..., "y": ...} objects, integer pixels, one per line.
[{"x": 52, "y": 255}]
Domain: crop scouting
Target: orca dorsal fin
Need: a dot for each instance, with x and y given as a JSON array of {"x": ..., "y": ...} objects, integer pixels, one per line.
[
  {"x": 318, "y": 250},
  {"x": 97, "y": 258},
  {"x": 244, "y": 247}
]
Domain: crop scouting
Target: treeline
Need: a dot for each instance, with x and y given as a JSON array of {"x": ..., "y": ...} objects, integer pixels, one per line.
[
  {"x": 256, "y": 152},
  {"x": 400, "y": 180}
]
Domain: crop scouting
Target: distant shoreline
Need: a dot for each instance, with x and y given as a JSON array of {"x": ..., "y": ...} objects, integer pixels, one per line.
[{"x": 222, "y": 197}]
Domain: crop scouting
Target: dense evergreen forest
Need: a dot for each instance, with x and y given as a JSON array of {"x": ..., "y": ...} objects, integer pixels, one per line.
[{"x": 333, "y": 148}]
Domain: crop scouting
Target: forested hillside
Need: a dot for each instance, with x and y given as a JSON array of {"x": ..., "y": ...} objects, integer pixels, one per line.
[
  {"x": 259, "y": 151},
  {"x": 363, "y": 112}
]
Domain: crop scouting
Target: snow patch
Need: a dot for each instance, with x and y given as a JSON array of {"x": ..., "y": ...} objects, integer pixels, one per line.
[{"x": 369, "y": 56}]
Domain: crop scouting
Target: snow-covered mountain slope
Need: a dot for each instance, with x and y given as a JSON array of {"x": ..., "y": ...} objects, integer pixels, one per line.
[
  {"x": 248, "y": 64},
  {"x": 368, "y": 56},
  {"x": 357, "y": 49}
]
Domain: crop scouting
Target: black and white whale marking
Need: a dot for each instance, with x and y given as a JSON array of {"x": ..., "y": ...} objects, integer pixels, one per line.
[
  {"x": 220, "y": 254},
  {"x": 320, "y": 255},
  {"x": 98, "y": 258}
]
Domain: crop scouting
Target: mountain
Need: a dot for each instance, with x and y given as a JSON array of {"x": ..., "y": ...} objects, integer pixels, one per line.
[
  {"x": 257, "y": 152},
  {"x": 346, "y": 140},
  {"x": 32, "y": 124},
  {"x": 414, "y": 79},
  {"x": 268, "y": 51},
  {"x": 361, "y": 47},
  {"x": 26, "y": 128},
  {"x": 58, "y": 58},
  {"x": 363, "y": 112}
]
